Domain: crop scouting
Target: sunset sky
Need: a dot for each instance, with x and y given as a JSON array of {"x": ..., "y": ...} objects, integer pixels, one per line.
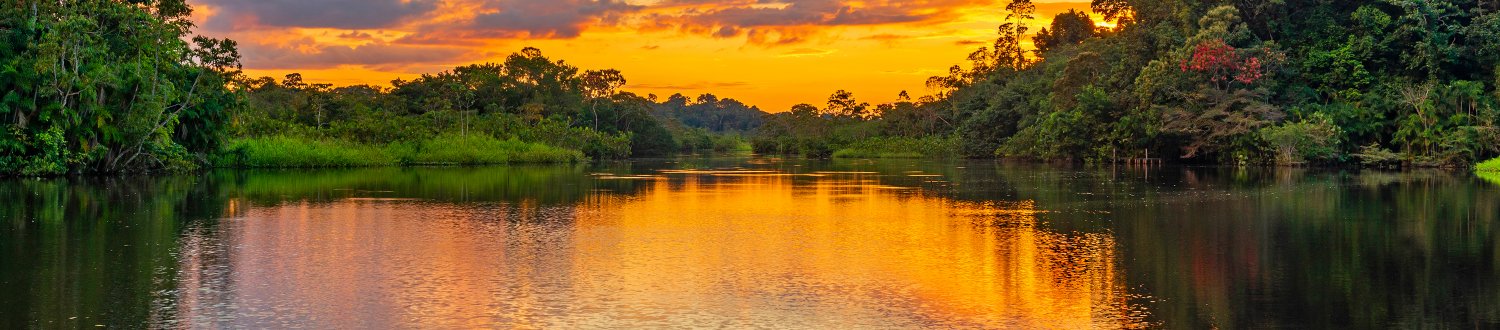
[{"x": 768, "y": 53}]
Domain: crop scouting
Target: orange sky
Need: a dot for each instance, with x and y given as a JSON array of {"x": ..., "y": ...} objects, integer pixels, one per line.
[{"x": 767, "y": 53}]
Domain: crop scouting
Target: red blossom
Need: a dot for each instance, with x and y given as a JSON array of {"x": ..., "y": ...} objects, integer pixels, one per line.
[{"x": 1222, "y": 62}]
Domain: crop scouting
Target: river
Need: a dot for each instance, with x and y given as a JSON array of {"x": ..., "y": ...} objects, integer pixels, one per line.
[{"x": 754, "y": 243}]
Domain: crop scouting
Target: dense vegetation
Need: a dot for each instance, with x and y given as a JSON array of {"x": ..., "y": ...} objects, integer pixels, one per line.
[
  {"x": 108, "y": 86},
  {"x": 541, "y": 108},
  {"x": 1389, "y": 83}
]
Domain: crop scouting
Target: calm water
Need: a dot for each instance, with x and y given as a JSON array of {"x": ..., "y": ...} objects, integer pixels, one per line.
[{"x": 743, "y": 243}]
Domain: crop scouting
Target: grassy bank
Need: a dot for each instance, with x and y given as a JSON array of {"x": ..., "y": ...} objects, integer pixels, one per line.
[
  {"x": 282, "y": 152},
  {"x": 1492, "y": 165},
  {"x": 1489, "y": 170},
  {"x": 900, "y": 147}
]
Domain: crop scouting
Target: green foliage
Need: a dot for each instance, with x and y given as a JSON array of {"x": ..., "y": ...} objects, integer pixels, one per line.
[
  {"x": 1205, "y": 82},
  {"x": 283, "y": 151},
  {"x": 1067, "y": 29},
  {"x": 452, "y": 149},
  {"x": 448, "y": 149},
  {"x": 1492, "y": 165},
  {"x": 1314, "y": 139},
  {"x": 1375, "y": 156},
  {"x": 1489, "y": 170},
  {"x": 528, "y": 97},
  {"x": 698, "y": 140},
  {"x": 901, "y": 147},
  {"x": 109, "y": 86},
  {"x": 708, "y": 111},
  {"x": 1393, "y": 83}
]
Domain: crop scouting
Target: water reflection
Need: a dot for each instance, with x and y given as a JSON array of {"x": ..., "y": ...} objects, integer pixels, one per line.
[
  {"x": 754, "y": 243},
  {"x": 709, "y": 248}
]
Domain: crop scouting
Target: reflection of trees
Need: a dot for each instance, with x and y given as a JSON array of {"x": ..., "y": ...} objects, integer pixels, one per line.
[
  {"x": 548, "y": 185},
  {"x": 100, "y": 250},
  {"x": 1316, "y": 249},
  {"x": 1244, "y": 247}
]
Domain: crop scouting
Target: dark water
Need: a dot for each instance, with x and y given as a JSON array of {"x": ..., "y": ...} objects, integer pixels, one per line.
[{"x": 754, "y": 243}]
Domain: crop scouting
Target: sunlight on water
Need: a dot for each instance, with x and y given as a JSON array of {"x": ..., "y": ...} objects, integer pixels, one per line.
[
  {"x": 698, "y": 249},
  {"x": 754, "y": 243}
]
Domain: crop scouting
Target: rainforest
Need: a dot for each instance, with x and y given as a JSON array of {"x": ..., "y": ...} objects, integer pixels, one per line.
[
  {"x": 120, "y": 86},
  {"x": 822, "y": 164}
]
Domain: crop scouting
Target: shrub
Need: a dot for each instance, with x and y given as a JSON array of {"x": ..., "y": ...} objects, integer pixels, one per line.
[
  {"x": 1375, "y": 156},
  {"x": 1314, "y": 139}
]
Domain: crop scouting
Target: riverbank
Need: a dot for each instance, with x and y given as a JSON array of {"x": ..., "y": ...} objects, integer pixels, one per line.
[
  {"x": 900, "y": 147},
  {"x": 448, "y": 149},
  {"x": 1489, "y": 170}
]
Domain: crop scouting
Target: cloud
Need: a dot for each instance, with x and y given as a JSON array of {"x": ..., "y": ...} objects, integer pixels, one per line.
[
  {"x": 381, "y": 56},
  {"x": 356, "y": 35},
  {"x": 519, "y": 19},
  {"x": 340, "y": 14},
  {"x": 801, "y": 52},
  {"x": 792, "y": 21},
  {"x": 548, "y": 18}
]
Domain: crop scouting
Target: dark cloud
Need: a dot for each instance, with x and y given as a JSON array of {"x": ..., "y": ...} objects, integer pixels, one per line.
[
  {"x": 379, "y": 55},
  {"x": 356, "y": 35},
  {"x": 537, "y": 19},
  {"x": 548, "y": 18},
  {"x": 786, "y": 22},
  {"x": 341, "y": 14}
]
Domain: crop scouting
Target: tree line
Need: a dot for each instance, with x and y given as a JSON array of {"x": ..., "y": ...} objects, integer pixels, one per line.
[
  {"x": 114, "y": 85},
  {"x": 1386, "y": 83}
]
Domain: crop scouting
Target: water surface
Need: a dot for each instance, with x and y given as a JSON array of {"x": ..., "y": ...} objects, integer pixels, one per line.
[{"x": 754, "y": 242}]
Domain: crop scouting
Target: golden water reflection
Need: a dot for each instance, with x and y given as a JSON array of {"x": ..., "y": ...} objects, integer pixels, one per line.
[{"x": 694, "y": 249}]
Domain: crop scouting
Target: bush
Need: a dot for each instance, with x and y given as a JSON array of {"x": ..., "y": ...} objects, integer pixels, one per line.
[
  {"x": 1316, "y": 139},
  {"x": 1375, "y": 156},
  {"x": 593, "y": 143}
]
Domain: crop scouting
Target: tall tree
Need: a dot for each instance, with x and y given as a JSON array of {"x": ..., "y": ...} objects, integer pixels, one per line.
[
  {"x": 109, "y": 86},
  {"x": 1008, "y": 50},
  {"x": 1067, "y": 28}
]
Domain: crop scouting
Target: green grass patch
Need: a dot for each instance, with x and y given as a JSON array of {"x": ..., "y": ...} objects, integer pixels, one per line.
[
  {"x": 1489, "y": 170},
  {"x": 1492, "y": 177},
  {"x": 900, "y": 147},
  {"x": 1492, "y": 165},
  {"x": 294, "y": 152},
  {"x": 479, "y": 150}
]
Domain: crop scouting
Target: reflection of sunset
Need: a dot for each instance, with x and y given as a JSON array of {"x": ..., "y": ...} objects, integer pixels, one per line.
[{"x": 697, "y": 249}]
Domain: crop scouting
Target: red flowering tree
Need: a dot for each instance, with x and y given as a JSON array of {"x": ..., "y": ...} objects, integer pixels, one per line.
[{"x": 1224, "y": 65}]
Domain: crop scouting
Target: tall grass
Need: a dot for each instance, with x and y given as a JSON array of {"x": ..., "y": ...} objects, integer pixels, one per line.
[
  {"x": 900, "y": 147},
  {"x": 456, "y": 149},
  {"x": 1492, "y": 165},
  {"x": 1489, "y": 170},
  {"x": 295, "y": 152}
]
